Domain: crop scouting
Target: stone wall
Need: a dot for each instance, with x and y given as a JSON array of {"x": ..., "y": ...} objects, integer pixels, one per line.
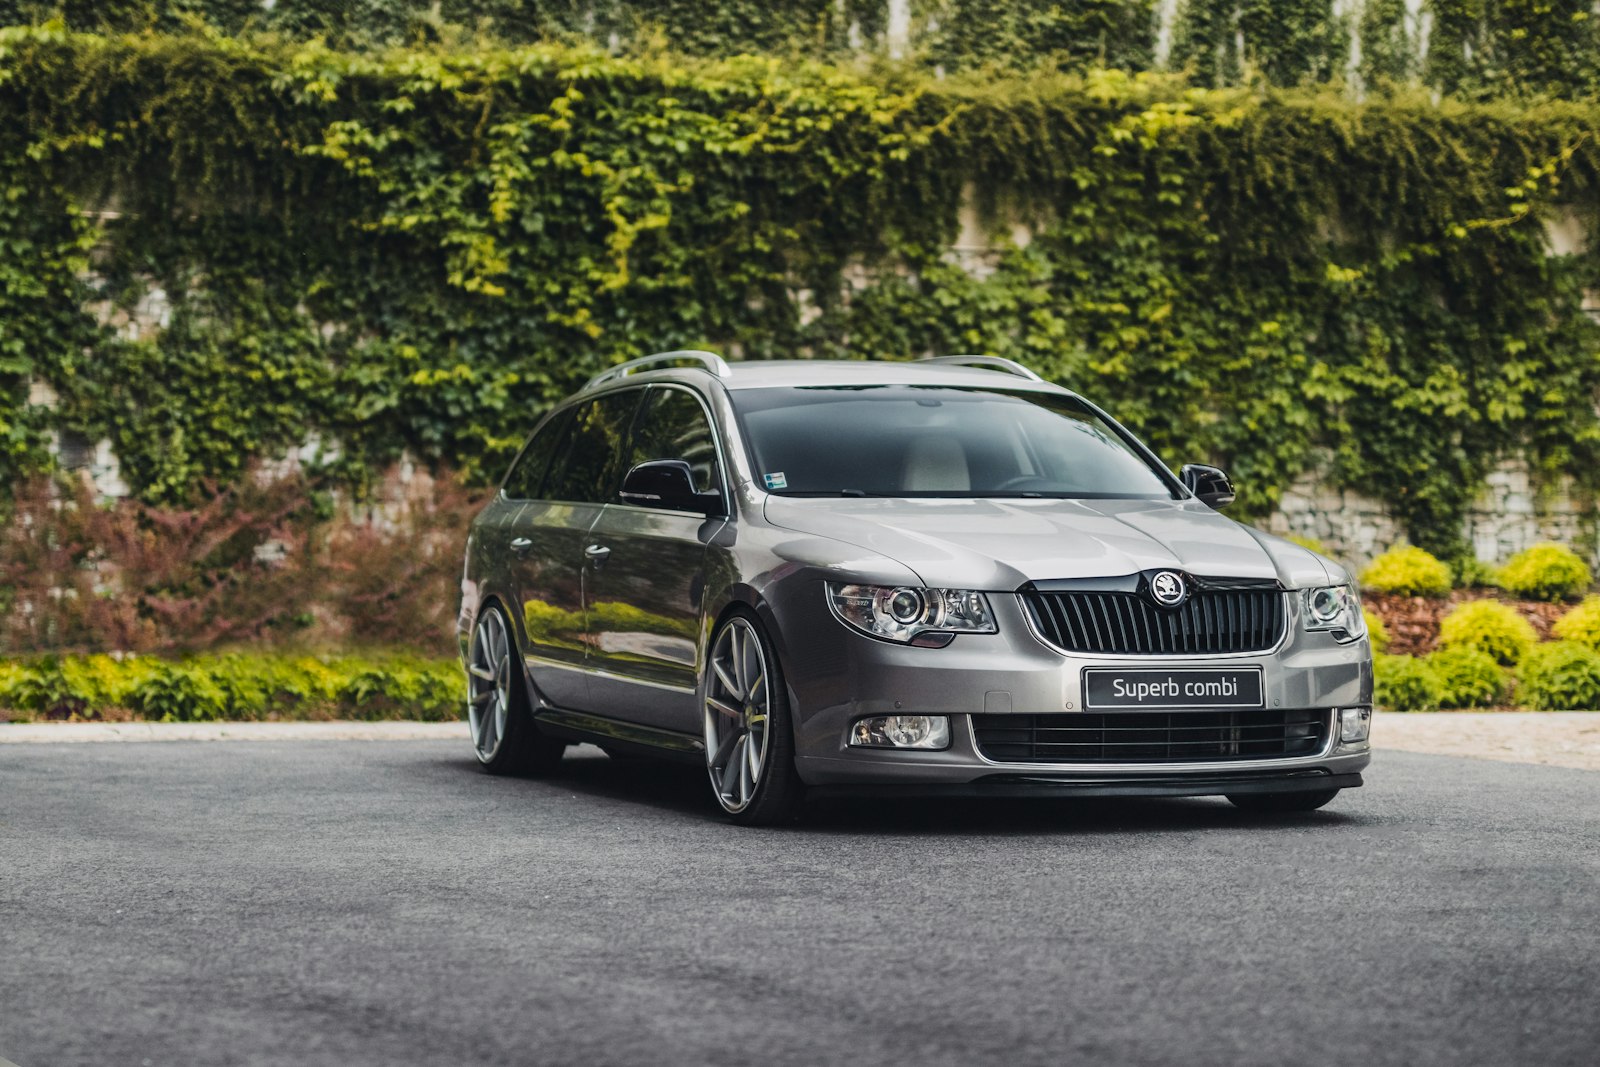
[{"x": 1512, "y": 513}]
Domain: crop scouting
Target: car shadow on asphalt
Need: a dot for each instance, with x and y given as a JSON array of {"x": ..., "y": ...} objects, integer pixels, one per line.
[{"x": 669, "y": 787}]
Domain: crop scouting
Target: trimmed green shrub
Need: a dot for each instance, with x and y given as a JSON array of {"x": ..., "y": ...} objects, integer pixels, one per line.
[
  {"x": 179, "y": 692},
  {"x": 1406, "y": 683},
  {"x": 1473, "y": 573},
  {"x": 403, "y": 689},
  {"x": 235, "y": 686},
  {"x": 1581, "y": 624},
  {"x": 50, "y": 692},
  {"x": 1377, "y": 632},
  {"x": 1488, "y": 626},
  {"x": 1407, "y": 570},
  {"x": 1546, "y": 572},
  {"x": 1561, "y": 676},
  {"x": 1469, "y": 678}
]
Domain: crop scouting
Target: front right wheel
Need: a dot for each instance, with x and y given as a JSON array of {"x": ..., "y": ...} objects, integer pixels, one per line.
[{"x": 748, "y": 735}]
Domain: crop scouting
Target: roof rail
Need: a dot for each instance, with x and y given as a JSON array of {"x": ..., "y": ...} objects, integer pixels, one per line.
[
  {"x": 707, "y": 360},
  {"x": 1010, "y": 366}
]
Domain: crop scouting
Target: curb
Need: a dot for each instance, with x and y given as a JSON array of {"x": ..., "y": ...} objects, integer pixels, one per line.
[{"x": 68, "y": 733}]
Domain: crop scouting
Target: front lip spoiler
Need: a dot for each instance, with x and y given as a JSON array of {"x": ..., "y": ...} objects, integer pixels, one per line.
[{"x": 1044, "y": 785}]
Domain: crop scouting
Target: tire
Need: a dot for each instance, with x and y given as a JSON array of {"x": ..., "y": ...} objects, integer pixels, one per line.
[
  {"x": 1281, "y": 803},
  {"x": 749, "y": 734},
  {"x": 504, "y": 736}
]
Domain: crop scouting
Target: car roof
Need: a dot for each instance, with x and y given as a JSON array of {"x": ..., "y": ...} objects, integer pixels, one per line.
[{"x": 791, "y": 373}]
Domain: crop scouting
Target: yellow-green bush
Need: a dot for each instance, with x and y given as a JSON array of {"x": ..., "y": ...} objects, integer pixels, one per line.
[
  {"x": 1406, "y": 683},
  {"x": 1561, "y": 676},
  {"x": 1469, "y": 678},
  {"x": 103, "y": 680},
  {"x": 1546, "y": 572},
  {"x": 11, "y": 674},
  {"x": 233, "y": 686},
  {"x": 1581, "y": 624},
  {"x": 1488, "y": 626},
  {"x": 1407, "y": 570},
  {"x": 1377, "y": 632}
]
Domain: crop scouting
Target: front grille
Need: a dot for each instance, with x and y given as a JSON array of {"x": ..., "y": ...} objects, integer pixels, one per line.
[
  {"x": 1151, "y": 736},
  {"x": 1211, "y": 622}
]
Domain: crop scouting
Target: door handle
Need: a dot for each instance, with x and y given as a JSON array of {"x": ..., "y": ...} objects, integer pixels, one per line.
[
  {"x": 520, "y": 544},
  {"x": 598, "y": 553}
]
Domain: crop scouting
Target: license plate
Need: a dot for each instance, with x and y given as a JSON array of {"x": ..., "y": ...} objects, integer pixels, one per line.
[{"x": 1190, "y": 687}]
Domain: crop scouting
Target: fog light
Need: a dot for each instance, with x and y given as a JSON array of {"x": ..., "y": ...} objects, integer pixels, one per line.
[
  {"x": 1354, "y": 724},
  {"x": 902, "y": 731}
]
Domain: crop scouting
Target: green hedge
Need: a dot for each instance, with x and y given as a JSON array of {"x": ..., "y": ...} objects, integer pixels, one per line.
[
  {"x": 234, "y": 686},
  {"x": 1561, "y": 676},
  {"x": 417, "y": 250},
  {"x": 1472, "y": 47}
]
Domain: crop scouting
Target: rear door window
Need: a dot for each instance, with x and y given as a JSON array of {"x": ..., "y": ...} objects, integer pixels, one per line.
[
  {"x": 584, "y": 469},
  {"x": 525, "y": 481}
]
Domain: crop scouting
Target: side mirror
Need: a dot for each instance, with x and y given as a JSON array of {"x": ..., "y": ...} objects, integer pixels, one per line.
[
  {"x": 1209, "y": 484},
  {"x": 667, "y": 484}
]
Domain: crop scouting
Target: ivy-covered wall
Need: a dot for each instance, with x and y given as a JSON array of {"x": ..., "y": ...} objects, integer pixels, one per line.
[
  {"x": 1463, "y": 47},
  {"x": 416, "y": 250}
]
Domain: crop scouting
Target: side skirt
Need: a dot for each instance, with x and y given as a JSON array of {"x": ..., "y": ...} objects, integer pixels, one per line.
[{"x": 616, "y": 735}]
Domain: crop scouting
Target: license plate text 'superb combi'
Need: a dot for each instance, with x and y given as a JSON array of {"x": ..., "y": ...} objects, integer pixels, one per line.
[{"x": 1189, "y": 687}]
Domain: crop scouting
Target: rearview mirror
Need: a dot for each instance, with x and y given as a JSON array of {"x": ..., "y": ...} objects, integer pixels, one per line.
[
  {"x": 1210, "y": 485},
  {"x": 667, "y": 484}
]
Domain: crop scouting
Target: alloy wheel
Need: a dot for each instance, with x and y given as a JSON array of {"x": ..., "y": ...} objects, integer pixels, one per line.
[
  {"x": 489, "y": 684},
  {"x": 738, "y": 709}
]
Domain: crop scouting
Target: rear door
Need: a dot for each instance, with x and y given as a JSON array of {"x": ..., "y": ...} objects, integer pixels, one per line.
[
  {"x": 647, "y": 575},
  {"x": 549, "y": 535}
]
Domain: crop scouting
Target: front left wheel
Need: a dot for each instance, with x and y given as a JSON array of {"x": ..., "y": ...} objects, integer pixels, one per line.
[
  {"x": 748, "y": 735},
  {"x": 504, "y": 735}
]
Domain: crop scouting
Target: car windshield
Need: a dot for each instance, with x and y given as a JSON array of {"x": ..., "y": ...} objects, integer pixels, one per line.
[{"x": 939, "y": 441}]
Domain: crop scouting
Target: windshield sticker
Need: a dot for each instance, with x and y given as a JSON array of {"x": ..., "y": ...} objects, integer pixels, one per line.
[{"x": 777, "y": 481}]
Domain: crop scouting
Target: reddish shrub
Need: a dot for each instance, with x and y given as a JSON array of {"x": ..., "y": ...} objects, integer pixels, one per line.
[{"x": 260, "y": 562}]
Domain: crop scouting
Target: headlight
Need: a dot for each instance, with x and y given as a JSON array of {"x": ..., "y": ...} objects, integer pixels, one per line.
[
  {"x": 901, "y": 731},
  {"x": 911, "y": 615},
  {"x": 1335, "y": 608}
]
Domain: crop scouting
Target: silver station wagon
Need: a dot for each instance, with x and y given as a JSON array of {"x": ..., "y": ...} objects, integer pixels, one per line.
[{"x": 943, "y": 576}]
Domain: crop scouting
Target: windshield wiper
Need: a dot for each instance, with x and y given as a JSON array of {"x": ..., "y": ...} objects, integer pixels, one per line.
[{"x": 831, "y": 492}]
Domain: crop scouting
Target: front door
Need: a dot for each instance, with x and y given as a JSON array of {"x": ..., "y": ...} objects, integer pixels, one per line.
[{"x": 646, "y": 576}]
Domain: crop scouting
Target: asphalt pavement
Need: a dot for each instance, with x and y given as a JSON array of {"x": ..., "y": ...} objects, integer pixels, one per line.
[{"x": 351, "y": 903}]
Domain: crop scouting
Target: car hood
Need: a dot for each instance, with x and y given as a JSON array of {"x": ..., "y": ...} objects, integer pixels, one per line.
[{"x": 1002, "y": 544}]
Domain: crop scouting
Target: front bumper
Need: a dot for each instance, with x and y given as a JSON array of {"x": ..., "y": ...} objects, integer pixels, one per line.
[
  {"x": 837, "y": 676},
  {"x": 1174, "y": 785}
]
